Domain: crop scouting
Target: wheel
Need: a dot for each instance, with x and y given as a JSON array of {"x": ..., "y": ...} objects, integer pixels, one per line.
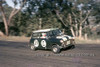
[
  {"x": 33, "y": 47},
  {"x": 56, "y": 49},
  {"x": 72, "y": 46}
]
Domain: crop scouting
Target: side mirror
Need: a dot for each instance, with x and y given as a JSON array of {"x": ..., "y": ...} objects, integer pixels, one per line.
[{"x": 63, "y": 31}]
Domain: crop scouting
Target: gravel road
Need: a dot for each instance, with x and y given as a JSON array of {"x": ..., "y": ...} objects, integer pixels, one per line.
[{"x": 18, "y": 54}]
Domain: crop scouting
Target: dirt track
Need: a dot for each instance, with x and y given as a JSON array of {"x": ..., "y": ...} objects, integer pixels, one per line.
[{"x": 18, "y": 54}]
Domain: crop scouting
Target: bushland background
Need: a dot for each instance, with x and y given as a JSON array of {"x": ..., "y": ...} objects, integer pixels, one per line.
[{"x": 80, "y": 18}]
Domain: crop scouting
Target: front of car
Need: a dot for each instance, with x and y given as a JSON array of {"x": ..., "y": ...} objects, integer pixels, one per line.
[{"x": 65, "y": 40}]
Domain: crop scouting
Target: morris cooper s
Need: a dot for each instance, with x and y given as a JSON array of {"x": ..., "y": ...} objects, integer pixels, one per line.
[{"x": 52, "y": 39}]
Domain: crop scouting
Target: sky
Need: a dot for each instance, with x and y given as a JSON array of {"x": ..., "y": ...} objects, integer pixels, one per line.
[{"x": 10, "y": 3}]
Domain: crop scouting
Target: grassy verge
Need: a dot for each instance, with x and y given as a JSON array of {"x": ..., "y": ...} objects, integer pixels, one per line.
[
  {"x": 88, "y": 41},
  {"x": 26, "y": 39},
  {"x": 15, "y": 38}
]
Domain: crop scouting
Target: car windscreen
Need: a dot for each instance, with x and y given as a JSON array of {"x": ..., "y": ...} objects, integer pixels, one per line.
[
  {"x": 54, "y": 33},
  {"x": 57, "y": 32}
]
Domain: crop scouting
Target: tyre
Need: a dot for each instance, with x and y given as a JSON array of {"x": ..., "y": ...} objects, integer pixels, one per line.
[
  {"x": 72, "y": 47},
  {"x": 33, "y": 47},
  {"x": 55, "y": 49}
]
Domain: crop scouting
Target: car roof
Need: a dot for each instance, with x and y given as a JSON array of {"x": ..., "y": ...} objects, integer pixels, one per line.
[{"x": 45, "y": 30}]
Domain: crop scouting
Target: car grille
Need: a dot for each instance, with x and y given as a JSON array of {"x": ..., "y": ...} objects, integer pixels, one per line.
[
  {"x": 66, "y": 42},
  {"x": 69, "y": 42},
  {"x": 72, "y": 41}
]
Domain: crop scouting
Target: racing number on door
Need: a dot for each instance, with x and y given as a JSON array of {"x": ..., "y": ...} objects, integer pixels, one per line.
[
  {"x": 43, "y": 43},
  {"x": 36, "y": 43}
]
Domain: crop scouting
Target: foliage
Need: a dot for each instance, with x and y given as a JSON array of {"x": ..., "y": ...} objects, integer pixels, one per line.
[{"x": 67, "y": 14}]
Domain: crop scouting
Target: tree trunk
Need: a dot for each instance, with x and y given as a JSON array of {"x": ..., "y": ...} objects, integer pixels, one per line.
[
  {"x": 5, "y": 23},
  {"x": 9, "y": 20},
  {"x": 80, "y": 31},
  {"x": 72, "y": 31},
  {"x": 6, "y": 27},
  {"x": 76, "y": 30},
  {"x": 1, "y": 33},
  {"x": 85, "y": 36},
  {"x": 70, "y": 22},
  {"x": 40, "y": 23},
  {"x": 4, "y": 19}
]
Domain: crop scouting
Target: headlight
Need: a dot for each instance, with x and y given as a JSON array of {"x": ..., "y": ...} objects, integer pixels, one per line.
[
  {"x": 61, "y": 41},
  {"x": 73, "y": 37}
]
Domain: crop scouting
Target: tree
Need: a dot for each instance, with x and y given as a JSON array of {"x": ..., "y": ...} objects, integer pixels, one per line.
[
  {"x": 54, "y": 13},
  {"x": 43, "y": 9},
  {"x": 14, "y": 11},
  {"x": 95, "y": 9}
]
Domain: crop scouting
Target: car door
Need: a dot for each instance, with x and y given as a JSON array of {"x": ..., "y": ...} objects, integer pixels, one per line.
[
  {"x": 35, "y": 39},
  {"x": 50, "y": 39},
  {"x": 43, "y": 40}
]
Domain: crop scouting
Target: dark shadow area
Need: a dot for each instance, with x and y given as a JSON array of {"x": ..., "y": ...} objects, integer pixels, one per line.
[{"x": 69, "y": 48}]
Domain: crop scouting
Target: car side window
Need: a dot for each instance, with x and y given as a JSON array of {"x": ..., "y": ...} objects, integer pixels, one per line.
[
  {"x": 43, "y": 35},
  {"x": 35, "y": 35},
  {"x": 50, "y": 33}
]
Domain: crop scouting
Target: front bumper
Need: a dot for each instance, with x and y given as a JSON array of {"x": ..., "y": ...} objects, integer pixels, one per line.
[{"x": 67, "y": 44}]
